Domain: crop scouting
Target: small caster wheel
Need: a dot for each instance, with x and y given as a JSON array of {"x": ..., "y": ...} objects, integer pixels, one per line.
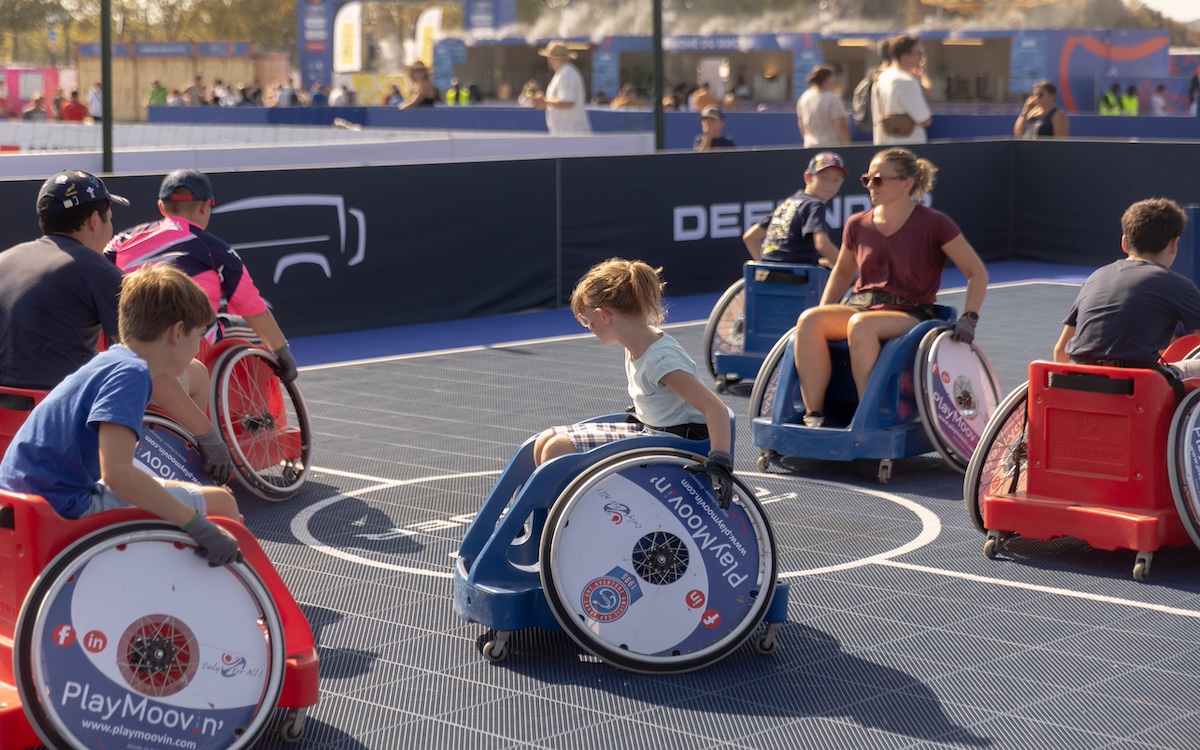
[
  {"x": 291, "y": 729},
  {"x": 1141, "y": 567},
  {"x": 885, "y": 471},
  {"x": 494, "y": 652},
  {"x": 989, "y": 548},
  {"x": 764, "y": 644},
  {"x": 764, "y": 460},
  {"x": 721, "y": 385}
]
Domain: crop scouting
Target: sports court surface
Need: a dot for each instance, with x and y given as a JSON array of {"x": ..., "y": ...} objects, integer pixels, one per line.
[{"x": 900, "y": 633}]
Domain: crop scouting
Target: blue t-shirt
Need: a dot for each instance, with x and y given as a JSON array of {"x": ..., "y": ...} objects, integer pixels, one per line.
[
  {"x": 1128, "y": 310},
  {"x": 790, "y": 230},
  {"x": 56, "y": 453}
]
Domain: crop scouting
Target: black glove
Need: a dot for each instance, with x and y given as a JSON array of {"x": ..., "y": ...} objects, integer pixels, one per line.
[
  {"x": 286, "y": 363},
  {"x": 719, "y": 468},
  {"x": 212, "y": 542},
  {"x": 964, "y": 330},
  {"x": 215, "y": 454}
]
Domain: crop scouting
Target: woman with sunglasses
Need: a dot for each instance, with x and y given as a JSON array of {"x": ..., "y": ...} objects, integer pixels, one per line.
[
  {"x": 898, "y": 250},
  {"x": 1041, "y": 117},
  {"x": 422, "y": 94}
]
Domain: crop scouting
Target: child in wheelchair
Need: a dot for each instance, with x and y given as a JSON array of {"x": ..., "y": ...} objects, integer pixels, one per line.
[
  {"x": 797, "y": 231},
  {"x": 76, "y": 449},
  {"x": 620, "y": 301},
  {"x": 1127, "y": 311}
]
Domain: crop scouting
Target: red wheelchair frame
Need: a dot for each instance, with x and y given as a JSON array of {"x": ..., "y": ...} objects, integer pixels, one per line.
[
  {"x": 1090, "y": 461},
  {"x": 32, "y": 535},
  {"x": 15, "y": 405}
]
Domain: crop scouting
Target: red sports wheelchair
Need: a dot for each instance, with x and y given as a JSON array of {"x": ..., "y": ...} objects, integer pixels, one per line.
[
  {"x": 112, "y": 630},
  {"x": 1108, "y": 455}
]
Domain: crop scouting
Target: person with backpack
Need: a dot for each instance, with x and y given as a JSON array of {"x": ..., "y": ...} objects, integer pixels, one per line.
[
  {"x": 898, "y": 105},
  {"x": 820, "y": 113},
  {"x": 860, "y": 103}
]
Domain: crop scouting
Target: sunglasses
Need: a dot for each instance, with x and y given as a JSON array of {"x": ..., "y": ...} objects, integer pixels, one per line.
[{"x": 869, "y": 182}]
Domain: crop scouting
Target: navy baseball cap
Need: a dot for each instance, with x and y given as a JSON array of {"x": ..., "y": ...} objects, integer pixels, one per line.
[
  {"x": 196, "y": 182},
  {"x": 825, "y": 160},
  {"x": 73, "y": 188}
]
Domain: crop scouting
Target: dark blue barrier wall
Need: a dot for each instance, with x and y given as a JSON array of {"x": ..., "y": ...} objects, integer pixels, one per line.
[
  {"x": 747, "y": 129},
  {"x": 357, "y": 248}
]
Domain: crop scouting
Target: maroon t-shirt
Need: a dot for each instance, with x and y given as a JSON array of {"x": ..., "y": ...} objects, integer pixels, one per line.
[{"x": 908, "y": 264}]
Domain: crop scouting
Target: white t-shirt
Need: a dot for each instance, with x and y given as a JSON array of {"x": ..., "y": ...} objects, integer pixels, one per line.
[
  {"x": 654, "y": 403},
  {"x": 1158, "y": 105},
  {"x": 898, "y": 93},
  {"x": 819, "y": 110},
  {"x": 567, "y": 86}
]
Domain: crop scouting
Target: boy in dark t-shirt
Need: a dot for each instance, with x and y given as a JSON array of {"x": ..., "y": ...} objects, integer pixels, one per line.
[
  {"x": 797, "y": 231},
  {"x": 1127, "y": 311}
]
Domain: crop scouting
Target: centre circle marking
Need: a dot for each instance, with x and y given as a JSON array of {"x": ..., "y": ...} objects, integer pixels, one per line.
[{"x": 931, "y": 525}]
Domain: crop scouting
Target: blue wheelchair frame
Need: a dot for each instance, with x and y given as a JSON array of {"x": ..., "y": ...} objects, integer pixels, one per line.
[
  {"x": 775, "y": 294},
  {"x": 497, "y": 580},
  {"x": 886, "y": 424}
]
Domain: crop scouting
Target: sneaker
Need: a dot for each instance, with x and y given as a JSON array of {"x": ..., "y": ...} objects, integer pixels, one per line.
[{"x": 814, "y": 419}]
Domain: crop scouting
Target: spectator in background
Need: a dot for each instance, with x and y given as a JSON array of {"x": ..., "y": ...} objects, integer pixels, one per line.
[
  {"x": 712, "y": 122},
  {"x": 701, "y": 99},
  {"x": 626, "y": 97},
  {"x": 730, "y": 102},
  {"x": 6, "y": 111},
  {"x": 36, "y": 111},
  {"x": 194, "y": 95},
  {"x": 421, "y": 91},
  {"x": 57, "y": 103},
  {"x": 601, "y": 98},
  {"x": 394, "y": 98},
  {"x": 564, "y": 99},
  {"x": 284, "y": 94},
  {"x": 457, "y": 93},
  {"x": 1129, "y": 102},
  {"x": 820, "y": 114},
  {"x": 898, "y": 105},
  {"x": 1158, "y": 101},
  {"x": 318, "y": 97},
  {"x": 1040, "y": 117},
  {"x": 1110, "y": 103},
  {"x": 74, "y": 110},
  {"x": 96, "y": 102},
  {"x": 529, "y": 91},
  {"x": 1194, "y": 93},
  {"x": 175, "y": 99},
  {"x": 222, "y": 95},
  {"x": 475, "y": 95},
  {"x": 246, "y": 96},
  {"x": 157, "y": 97},
  {"x": 740, "y": 89}
]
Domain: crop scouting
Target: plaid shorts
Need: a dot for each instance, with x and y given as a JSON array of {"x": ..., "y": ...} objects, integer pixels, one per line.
[{"x": 588, "y": 435}]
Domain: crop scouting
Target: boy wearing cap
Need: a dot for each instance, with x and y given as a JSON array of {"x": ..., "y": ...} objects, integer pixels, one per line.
[
  {"x": 797, "y": 231},
  {"x": 76, "y": 450},
  {"x": 712, "y": 122},
  {"x": 58, "y": 292},
  {"x": 565, "y": 96}
]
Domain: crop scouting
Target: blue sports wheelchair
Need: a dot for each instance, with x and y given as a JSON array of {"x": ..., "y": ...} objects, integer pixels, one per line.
[
  {"x": 926, "y": 393},
  {"x": 754, "y": 312},
  {"x": 626, "y": 548}
]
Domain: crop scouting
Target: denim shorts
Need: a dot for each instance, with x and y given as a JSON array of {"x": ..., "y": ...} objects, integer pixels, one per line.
[{"x": 105, "y": 499}]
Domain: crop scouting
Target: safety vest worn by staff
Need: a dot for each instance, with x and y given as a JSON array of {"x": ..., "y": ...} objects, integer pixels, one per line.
[
  {"x": 1110, "y": 104},
  {"x": 1129, "y": 104}
]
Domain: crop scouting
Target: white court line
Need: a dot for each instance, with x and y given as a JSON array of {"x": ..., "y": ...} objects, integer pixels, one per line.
[
  {"x": 1044, "y": 589},
  {"x": 299, "y": 525}
]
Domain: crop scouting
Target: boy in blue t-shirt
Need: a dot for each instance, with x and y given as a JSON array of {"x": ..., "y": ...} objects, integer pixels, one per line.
[
  {"x": 77, "y": 447},
  {"x": 797, "y": 231}
]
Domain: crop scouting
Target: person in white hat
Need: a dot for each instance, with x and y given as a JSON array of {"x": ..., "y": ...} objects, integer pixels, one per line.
[{"x": 565, "y": 96}]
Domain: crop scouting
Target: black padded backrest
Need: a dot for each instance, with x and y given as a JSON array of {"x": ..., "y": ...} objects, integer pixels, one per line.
[
  {"x": 1090, "y": 383},
  {"x": 16, "y": 402}
]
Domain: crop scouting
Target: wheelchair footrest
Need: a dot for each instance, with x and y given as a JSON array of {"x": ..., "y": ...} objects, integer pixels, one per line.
[{"x": 1101, "y": 527}]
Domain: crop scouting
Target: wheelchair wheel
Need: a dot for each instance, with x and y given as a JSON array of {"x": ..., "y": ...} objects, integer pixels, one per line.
[
  {"x": 168, "y": 451},
  {"x": 725, "y": 332},
  {"x": 999, "y": 464},
  {"x": 642, "y": 569},
  {"x": 957, "y": 394},
  {"x": 128, "y": 638},
  {"x": 762, "y": 397},
  {"x": 264, "y": 422},
  {"x": 1183, "y": 466}
]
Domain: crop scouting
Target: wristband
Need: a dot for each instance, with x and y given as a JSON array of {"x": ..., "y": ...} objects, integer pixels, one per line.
[{"x": 189, "y": 523}]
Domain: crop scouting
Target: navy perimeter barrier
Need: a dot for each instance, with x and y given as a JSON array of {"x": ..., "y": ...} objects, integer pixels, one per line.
[
  {"x": 342, "y": 249},
  {"x": 747, "y": 129}
]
